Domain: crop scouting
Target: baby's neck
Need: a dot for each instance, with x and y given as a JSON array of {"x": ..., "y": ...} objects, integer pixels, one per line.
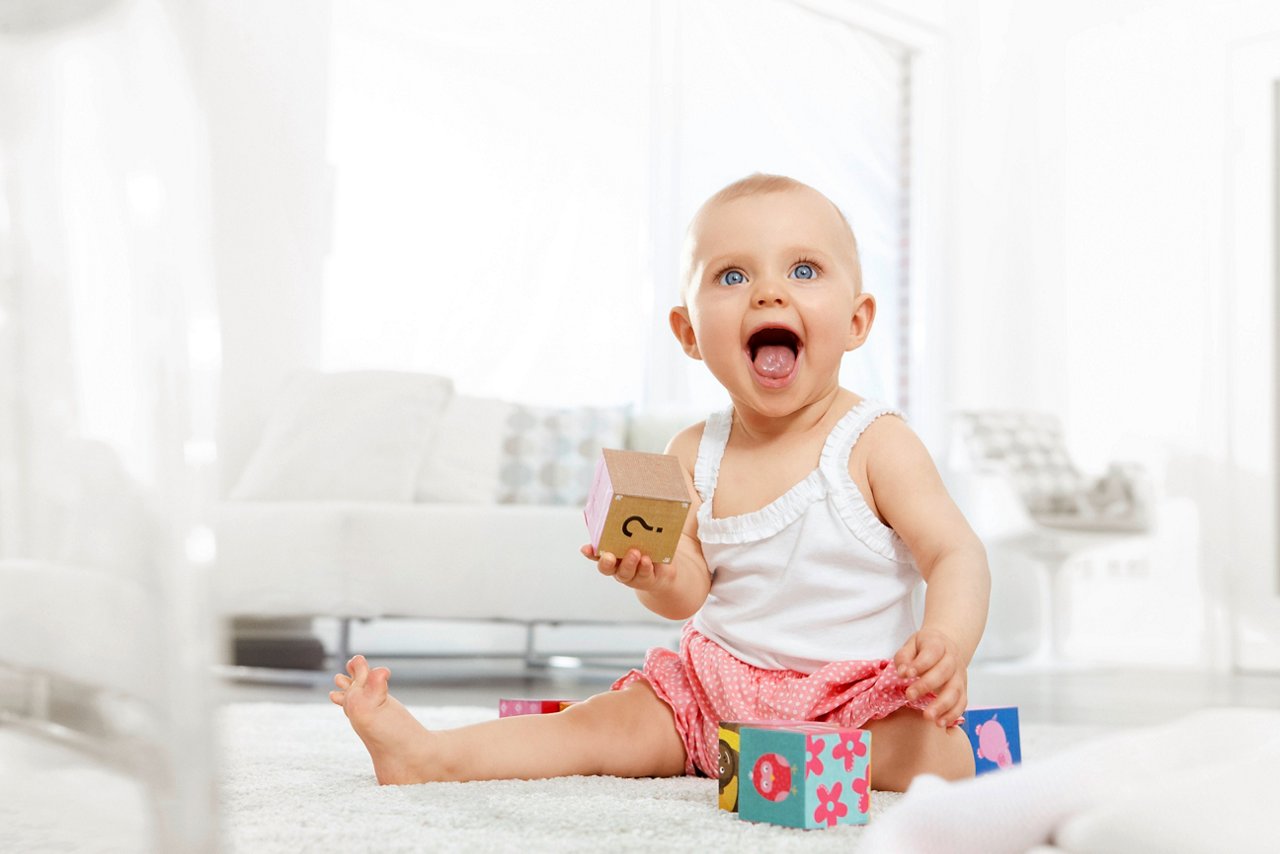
[{"x": 815, "y": 416}]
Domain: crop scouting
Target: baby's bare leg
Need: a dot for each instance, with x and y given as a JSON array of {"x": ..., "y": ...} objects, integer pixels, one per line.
[
  {"x": 906, "y": 743},
  {"x": 627, "y": 733}
]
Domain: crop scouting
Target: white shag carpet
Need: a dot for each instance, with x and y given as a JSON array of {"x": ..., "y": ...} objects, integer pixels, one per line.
[{"x": 296, "y": 778}]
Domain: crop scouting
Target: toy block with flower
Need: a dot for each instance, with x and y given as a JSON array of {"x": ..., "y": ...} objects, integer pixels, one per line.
[
  {"x": 804, "y": 775},
  {"x": 994, "y": 737},
  {"x": 637, "y": 500},
  {"x": 508, "y": 708}
]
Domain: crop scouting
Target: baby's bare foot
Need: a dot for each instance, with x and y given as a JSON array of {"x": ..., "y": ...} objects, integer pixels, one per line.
[{"x": 400, "y": 746}]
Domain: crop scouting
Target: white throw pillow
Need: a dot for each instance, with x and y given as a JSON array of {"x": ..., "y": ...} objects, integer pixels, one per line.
[
  {"x": 462, "y": 463},
  {"x": 357, "y": 436}
]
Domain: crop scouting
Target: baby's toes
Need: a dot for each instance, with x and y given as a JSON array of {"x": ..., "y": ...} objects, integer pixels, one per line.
[
  {"x": 377, "y": 681},
  {"x": 358, "y": 667},
  {"x": 338, "y": 698}
]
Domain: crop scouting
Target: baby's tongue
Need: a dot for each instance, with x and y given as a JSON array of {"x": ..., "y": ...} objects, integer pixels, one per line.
[{"x": 775, "y": 360}]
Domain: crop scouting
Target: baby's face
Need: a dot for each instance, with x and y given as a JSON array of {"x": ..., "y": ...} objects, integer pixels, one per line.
[{"x": 772, "y": 301}]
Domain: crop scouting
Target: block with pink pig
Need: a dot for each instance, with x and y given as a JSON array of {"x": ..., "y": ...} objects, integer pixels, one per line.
[
  {"x": 994, "y": 737},
  {"x": 804, "y": 775}
]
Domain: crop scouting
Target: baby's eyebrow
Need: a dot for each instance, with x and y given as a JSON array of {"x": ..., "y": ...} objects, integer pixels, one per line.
[
  {"x": 723, "y": 260},
  {"x": 805, "y": 250},
  {"x": 788, "y": 253}
]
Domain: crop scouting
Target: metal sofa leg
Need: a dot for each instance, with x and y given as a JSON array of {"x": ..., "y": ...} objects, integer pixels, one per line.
[
  {"x": 531, "y": 659},
  {"x": 343, "y": 651}
]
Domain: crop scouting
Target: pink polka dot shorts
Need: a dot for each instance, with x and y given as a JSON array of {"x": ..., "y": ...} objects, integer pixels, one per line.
[{"x": 704, "y": 684}]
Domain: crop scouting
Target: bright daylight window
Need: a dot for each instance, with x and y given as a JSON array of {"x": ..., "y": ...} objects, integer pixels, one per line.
[{"x": 512, "y": 181}]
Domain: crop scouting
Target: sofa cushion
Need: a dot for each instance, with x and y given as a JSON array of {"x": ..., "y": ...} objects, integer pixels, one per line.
[
  {"x": 356, "y": 436},
  {"x": 463, "y": 461},
  {"x": 549, "y": 453},
  {"x": 488, "y": 451}
]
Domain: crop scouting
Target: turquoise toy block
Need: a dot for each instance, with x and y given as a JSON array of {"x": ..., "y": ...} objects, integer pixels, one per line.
[
  {"x": 805, "y": 775},
  {"x": 994, "y": 737}
]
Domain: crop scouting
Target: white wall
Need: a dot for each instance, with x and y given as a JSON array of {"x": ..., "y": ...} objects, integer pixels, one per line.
[{"x": 1086, "y": 274}]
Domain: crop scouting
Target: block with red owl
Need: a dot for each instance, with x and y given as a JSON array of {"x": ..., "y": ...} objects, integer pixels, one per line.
[
  {"x": 804, "y": 775},
  {"x": 730, "y": 743}
]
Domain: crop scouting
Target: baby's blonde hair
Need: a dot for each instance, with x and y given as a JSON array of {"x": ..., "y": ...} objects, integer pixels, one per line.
[{"x": 761, "y": 183}]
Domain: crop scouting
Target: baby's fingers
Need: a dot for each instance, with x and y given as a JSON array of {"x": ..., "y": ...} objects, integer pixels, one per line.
[
  {"x": 929, "y": 651},
  {"x": 630, "y": 564},
  {"x": 607, "y": 564},
  {"x": 902, "y": 661},
  {"x": 932, "y": 679},
  {"x": 645, "y": 572},
  {"x": 947, "y": 705}
]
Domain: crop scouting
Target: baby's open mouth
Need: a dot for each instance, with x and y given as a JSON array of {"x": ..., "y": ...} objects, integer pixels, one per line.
[{"x": 773, "y": 351}]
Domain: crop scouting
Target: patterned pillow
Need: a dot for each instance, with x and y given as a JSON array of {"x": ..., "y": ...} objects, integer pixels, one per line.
[
  {"x": 549, "y": 454},
  {"x": 1029, "y": 448}
]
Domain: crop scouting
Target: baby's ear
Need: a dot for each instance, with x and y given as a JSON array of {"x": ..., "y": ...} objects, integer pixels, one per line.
[
  {"x": 683, "y": 329},
  {"x": 864, "y": 314}
]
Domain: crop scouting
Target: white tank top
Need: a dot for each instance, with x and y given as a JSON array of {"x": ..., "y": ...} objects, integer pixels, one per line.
[{"x": 812, "y": 578}]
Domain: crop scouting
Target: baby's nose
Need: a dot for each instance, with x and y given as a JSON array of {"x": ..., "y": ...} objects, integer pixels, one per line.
[{"x": 769, "y": 293}]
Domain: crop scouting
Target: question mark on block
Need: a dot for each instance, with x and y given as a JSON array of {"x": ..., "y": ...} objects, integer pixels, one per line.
[{"x": 626, "y": 530}]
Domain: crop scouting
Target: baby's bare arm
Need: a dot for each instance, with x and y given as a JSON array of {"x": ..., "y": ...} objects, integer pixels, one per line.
[
  {"x": 678, "y": 589},
  {"x": 909, "y": 493}
]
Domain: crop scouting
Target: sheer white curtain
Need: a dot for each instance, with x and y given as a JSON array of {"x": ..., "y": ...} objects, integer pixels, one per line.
[
  {"x": 108, "y": 357},
  {"x": 512, "y": 181},
  {"x": 491, "y": 202},
  {"x": 771, "y": 86}
]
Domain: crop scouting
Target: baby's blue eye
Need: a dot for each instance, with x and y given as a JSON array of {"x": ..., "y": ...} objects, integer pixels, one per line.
[
  {"x": 732, "y": 277},
  {"x": 804, "y": 271}
]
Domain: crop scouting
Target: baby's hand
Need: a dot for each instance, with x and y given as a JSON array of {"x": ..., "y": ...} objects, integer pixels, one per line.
[
  {"x": 635, "y": 570},
  {"x": 934, "y": 657}
]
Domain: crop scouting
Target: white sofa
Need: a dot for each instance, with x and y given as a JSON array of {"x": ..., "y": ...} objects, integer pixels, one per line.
[{"x": 372, "y": 495}]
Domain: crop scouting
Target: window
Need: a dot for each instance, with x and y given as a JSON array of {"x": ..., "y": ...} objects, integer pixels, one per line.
[{"x": 512, "y": 182}]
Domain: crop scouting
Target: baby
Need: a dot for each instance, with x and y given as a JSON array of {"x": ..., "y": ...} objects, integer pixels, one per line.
[{"x": 814, "y": 514}]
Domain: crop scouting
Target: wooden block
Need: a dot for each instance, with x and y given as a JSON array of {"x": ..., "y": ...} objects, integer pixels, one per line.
[
  {"x": 637, "y": 500},
  {"x": 805, "y": 775},
  {"x": 994, "y": 737}
]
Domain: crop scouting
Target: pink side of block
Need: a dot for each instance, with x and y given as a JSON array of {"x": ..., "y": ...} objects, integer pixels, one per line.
[
  {"x": 598, "y": 501},
  {"x": 510, "y": 707}
]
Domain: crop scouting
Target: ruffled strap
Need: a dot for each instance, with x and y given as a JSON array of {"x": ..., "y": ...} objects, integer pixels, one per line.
[
  {"x": 846, "y": 495},
  {"x": 715, "y": 438},
  {"x": 765, "y": 522}
]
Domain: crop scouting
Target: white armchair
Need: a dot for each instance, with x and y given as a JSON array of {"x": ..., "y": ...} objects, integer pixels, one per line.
[{"x": 1012, "y": 475}]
